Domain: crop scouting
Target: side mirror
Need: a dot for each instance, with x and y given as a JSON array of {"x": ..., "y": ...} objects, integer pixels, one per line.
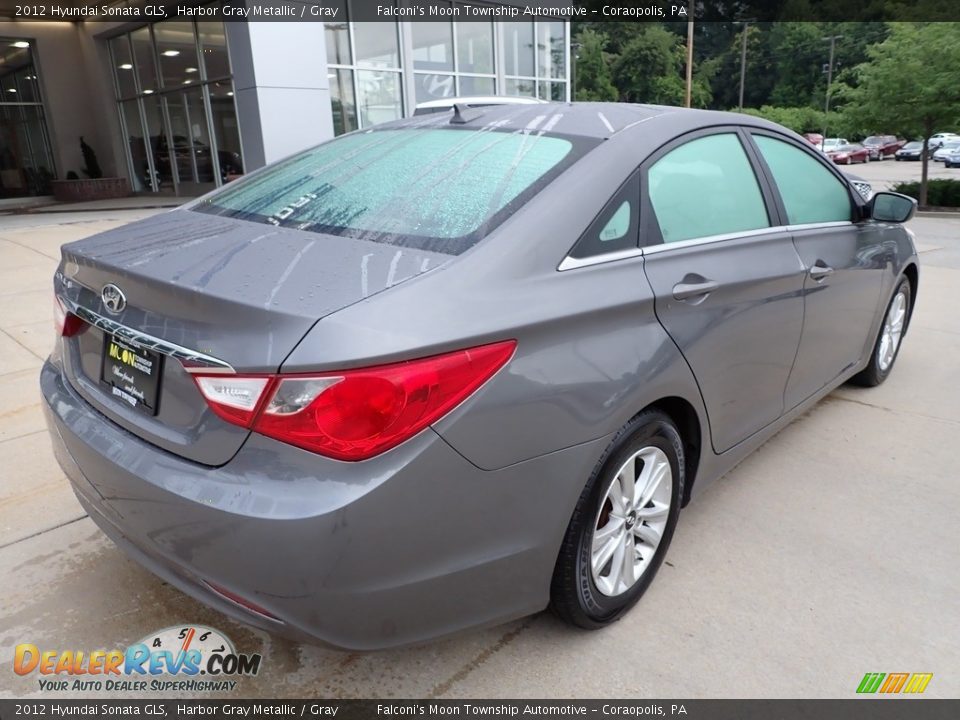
[{"x": 892, "y": 207}]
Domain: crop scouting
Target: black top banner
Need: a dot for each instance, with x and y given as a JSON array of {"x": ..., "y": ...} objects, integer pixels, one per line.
[
  {"x": 878, "y": 709},
  {"x": 482, "y": 10}
]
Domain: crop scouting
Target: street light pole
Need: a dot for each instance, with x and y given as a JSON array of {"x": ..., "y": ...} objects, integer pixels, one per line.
[
  {"x": 689, "y": 90},
  {"x": 826, "y": 107},
  {"x": 743, "y": 61}
]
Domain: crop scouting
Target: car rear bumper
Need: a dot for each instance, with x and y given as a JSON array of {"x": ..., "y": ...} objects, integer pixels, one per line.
[{"x": 411, "y": 545}]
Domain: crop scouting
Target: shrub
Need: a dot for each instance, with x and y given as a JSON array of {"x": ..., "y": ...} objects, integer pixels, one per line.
[{"x": 940, "y": 193}]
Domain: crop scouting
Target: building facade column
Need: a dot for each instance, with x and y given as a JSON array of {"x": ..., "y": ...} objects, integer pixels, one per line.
[{"x": 281, "y": 88}]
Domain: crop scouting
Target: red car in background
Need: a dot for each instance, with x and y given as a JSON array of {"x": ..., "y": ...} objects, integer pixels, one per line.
[
  {"x": 847, "y": 154},
  {"x": 883, "y": 146}
]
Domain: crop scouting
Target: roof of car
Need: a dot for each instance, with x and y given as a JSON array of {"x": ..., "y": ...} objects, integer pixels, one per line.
[{"x": 587, "y": 119}]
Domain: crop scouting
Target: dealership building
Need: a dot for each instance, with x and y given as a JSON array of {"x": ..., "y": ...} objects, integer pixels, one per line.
[{"x": 181, "y": 106}]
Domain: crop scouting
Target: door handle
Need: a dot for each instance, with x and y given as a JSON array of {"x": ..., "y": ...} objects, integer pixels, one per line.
[
  {"x": 818, "y": 271},
  {"x": 687, "y": 291}
]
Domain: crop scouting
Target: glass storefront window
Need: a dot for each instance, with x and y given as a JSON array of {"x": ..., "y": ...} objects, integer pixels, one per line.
[
  {"x": 556, "y": 91},
  {"x": 432, "y": 86},
  {"x": 342, "y": 100},
  {"x": 475, "y": 47},
  {"x": 123, "y": 66},
  {"x": 213, "y": 49},
  {"x": 378, "y": 96},
  {"x": 26, "y": 162},
  {"x": 177, "y": 52},
  {"x": 136, "y": 144},
  {"x": 337, "y": 35},
  {"x": 181, "y": 135},
  {"x": 432, "y": 45},
  {"x": 143, "y": 53},
  {"x": 522, "y": 87},
  {"x": 551, "y": 50},
  {"x": 477, "y": 85},
  {"x": 518, "y": 48},
  {"x": 377, "y": 44}
]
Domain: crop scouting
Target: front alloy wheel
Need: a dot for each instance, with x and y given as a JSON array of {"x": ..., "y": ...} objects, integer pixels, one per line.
[
  {"x": 892, "y": 330},
  {"x": 887, "y": 345}
]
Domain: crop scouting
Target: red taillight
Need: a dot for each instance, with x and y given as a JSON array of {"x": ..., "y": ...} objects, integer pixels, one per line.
[
  {"x": 66, "y": 324},
  {"x": 355, "y": 414}
]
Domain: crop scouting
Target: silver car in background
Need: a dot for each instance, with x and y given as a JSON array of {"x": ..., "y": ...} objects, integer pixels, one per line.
[{"x": 453, "y": 370}]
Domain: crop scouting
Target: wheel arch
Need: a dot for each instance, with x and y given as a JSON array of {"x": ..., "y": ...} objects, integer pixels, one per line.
[
  {"x": 685, "y": 417},
  {"x": 912, "y": 273}
]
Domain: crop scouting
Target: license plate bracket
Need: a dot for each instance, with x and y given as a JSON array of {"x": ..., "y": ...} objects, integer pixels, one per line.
[{"x": 131, "y": 373}]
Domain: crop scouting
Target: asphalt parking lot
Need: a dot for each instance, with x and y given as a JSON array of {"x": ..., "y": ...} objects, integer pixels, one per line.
[
  {"x": 829, "y": 553},
  {"x": 884, "y": 175}
]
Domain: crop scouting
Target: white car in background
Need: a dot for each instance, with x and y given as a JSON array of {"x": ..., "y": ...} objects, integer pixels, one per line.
[
  {"x": 951, "y": 144},
  {"x": 444, "y": 104},
  {"x": 833, "y": 143},
  {"x": 938, "y": 139}
]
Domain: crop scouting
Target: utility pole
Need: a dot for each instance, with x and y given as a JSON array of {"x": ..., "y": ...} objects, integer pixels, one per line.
[
  {"x": 826, "y": 107},
  {"x": 689, "y": 91},
  {"x": 743, "y": 60}
]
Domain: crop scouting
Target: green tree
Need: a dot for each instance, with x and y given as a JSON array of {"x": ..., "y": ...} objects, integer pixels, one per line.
[
  {"x": 909, "y": 85},
  {"x": 592, "y": 81}
]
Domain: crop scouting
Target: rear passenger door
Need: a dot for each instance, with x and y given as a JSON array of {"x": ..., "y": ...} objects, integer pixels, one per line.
[
  {"x": 726, "y": 277},
  {"x": 843, "y": 260}
]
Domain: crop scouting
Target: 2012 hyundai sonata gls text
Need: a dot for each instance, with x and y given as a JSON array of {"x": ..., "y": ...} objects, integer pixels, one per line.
[{"x": 457, "y": 368}]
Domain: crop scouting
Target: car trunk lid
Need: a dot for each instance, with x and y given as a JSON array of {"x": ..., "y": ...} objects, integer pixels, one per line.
[{"x": 243, "y": 293}]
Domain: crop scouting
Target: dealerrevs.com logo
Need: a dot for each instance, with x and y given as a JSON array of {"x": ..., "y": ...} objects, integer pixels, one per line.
[{"x": 177, "y": 658}]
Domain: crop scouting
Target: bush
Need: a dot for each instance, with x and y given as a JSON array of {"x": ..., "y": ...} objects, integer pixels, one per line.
[
  {"x": 940, "y": 193},
  {"x": 798, "y": 119}
]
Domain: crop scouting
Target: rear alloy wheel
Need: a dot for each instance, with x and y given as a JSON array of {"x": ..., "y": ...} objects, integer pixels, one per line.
[
  {"x": 622, "y": 525},
  {"x": 887, "y": 345}
]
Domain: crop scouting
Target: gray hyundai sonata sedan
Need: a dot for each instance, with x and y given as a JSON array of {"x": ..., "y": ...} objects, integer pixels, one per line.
[{"x": 459, "y": 368}]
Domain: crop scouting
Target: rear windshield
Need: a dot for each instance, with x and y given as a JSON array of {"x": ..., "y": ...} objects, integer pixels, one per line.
[{"x": 429, "y": 188}]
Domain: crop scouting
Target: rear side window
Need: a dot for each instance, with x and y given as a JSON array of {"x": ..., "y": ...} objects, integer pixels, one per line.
[
  {"x": 706, "y": 187},
  {"x": 616, "y": 227},
  {"x": 810, "y": 192},
  {"x": 433, "y": 189}
]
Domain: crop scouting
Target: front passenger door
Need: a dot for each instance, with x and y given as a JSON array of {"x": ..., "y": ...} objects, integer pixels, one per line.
[
  {"x": 727, "y": 282},
  {"x": 844, "y": 265}
]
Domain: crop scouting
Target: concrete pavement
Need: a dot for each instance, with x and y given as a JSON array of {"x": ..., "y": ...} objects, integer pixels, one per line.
[{"x": 830, "y": 552}]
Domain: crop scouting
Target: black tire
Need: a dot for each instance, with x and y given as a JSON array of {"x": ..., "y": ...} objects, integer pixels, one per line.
[
  {"x": 574, "y": 596},
  {"x": 873, "y": 374}
]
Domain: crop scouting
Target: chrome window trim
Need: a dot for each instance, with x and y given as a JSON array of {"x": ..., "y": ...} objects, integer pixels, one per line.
[
  {"x": 819, "y": 225},
  {"x": 572, "y": 263},
  {"x": 710, "y": 239},
  {"x": 204, "y": 363}
]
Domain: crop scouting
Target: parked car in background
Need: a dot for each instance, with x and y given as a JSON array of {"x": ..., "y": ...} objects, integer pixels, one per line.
[
  {"x": 913, "y": 150},
  {"x": 849, "y": 153},
  {"x": 938, "y": 139},
  {"x": 184, "y": 154},
  {"x": 882, "y": 146},
  {"x": 444, "y": 104},
  {"x": 830, "y": 144},
  {"x": 940, "y": 154},
  {"x": 952, "y": 159},
  {"x": 815, "y": 139},
  {"x": 424, "y": 377}
]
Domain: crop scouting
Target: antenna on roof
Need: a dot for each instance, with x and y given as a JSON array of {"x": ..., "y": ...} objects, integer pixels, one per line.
[{"x": 457, "y": 118}]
